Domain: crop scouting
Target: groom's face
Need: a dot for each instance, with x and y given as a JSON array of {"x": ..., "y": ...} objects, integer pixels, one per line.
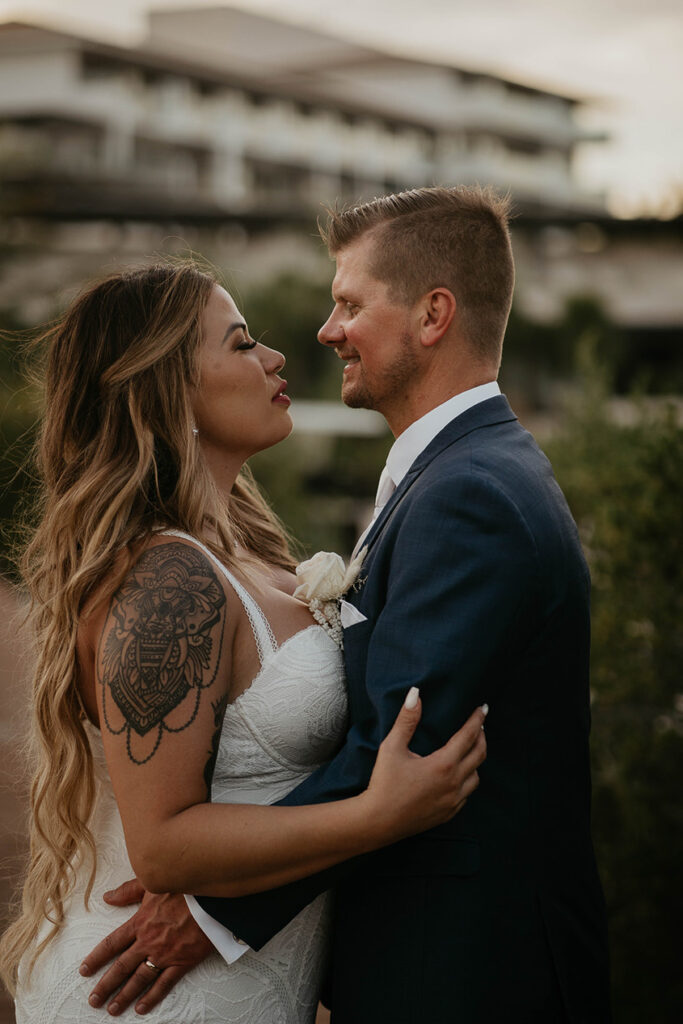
[{"x": 372, "y": 333}]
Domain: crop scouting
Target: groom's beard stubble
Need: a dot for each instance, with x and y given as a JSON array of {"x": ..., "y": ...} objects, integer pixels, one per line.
[{"x": 384, "y": 387}]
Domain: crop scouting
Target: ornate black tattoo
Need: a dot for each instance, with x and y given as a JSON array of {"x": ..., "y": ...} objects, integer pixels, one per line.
[
  {"x": 218, "y": 707},
  {"x": 157, "y": 646}
]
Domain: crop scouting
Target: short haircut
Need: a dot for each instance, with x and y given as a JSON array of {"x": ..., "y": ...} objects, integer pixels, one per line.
[{"x": 426, "y": 238}]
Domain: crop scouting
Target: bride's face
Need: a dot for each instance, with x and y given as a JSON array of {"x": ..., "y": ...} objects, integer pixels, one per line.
[{"x": 240, "y": 405}]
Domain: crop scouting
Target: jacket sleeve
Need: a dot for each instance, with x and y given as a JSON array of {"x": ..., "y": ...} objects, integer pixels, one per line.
[{"x": 463, "y": 576}]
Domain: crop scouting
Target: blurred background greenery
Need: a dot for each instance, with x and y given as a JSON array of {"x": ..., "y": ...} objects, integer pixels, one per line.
[
  {"x": 624, "y": 484},
  {"x": 619, "y": 458}
]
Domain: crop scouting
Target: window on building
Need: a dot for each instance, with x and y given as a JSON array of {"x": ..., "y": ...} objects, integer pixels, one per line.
[
  {"x": 207, "y": 88},
  {"x": 278, "y": 181},
  {"x": 169, "y": 165},
  {"x": 96, "y": 66},
  {"x": 525, "y": 147}
]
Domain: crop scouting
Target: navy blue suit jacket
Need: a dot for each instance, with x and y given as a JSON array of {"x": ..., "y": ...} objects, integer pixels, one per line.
[{"x": 475, "y": 589}]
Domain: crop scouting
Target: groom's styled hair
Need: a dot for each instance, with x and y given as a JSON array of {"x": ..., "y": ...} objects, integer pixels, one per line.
[{"x": 455, "y": 238}]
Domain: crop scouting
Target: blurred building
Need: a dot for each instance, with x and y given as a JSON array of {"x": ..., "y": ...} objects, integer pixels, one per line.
[
  {"x": 224, "y": 132},
  {"x": 221, "y": 113}
]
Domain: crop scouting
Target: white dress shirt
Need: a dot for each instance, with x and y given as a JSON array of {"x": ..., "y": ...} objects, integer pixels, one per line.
[
  {"x": 229, "y": 947},
  {"x": 405, "y": 449},
  {"x": 415, "y": 438}
]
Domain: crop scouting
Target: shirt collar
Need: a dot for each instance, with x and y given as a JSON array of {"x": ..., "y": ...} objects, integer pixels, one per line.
[{"x": 419, "y": 434}]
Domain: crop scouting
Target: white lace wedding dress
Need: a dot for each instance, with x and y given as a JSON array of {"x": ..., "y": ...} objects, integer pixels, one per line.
[{"x": 290, "y": 720}]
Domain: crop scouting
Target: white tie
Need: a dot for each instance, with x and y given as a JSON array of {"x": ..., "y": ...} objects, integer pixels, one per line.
[{"x": 385, "y": 488}]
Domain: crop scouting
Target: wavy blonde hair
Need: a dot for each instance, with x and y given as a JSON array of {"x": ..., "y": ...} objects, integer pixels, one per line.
[{"x": 119, "y": 462}]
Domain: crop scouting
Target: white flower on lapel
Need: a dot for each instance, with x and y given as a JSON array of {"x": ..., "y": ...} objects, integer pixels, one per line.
[{"x": 324, "y": 579}]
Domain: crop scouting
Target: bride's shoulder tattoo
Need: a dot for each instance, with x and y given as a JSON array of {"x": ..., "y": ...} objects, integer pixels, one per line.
[{"x": 160, "y": 646}]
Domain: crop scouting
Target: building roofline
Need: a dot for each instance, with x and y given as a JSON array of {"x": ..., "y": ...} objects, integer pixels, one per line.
[
  {"x": 393, "y": 54},
  {"x": 159, "y": 59},
  {"x": 154, "y": 60}
]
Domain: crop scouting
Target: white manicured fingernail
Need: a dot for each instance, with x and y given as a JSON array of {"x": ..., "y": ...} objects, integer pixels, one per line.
[
  {"x": 484, "y": 709},
  {"x": 411, "y": 699}
]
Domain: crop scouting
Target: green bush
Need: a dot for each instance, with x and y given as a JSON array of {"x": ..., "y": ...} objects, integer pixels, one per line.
[
  {"x": 18, "y": 424},
  {"x": 625, "y": 487},
  {"x": 539, "y": 356},
  {"x": 286, "y": 314}
]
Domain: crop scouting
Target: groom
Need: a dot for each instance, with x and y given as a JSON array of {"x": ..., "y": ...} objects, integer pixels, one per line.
[{"x": 475, "y": 589}]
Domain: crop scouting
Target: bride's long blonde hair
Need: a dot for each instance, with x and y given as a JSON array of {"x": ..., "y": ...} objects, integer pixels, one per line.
[{"x": 118, "y": 461}]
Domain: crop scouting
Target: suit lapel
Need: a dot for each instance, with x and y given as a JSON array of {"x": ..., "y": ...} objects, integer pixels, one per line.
[{"x": 484, "y": 414}]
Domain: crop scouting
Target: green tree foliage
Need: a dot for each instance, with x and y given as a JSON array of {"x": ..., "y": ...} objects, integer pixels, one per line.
[
  {"x": 323, "y": 488},
  {"x": 538, "y": 355},
  {"x": 286, "y": 314},
  {"x": 625, "y": 487},
  {"x": 18, "y": 416}
]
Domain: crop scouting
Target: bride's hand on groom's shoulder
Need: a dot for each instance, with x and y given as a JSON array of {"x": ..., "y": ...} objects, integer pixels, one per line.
[
  {"x": 408, "y": 793},
  {"x": 161, "y": 933}
]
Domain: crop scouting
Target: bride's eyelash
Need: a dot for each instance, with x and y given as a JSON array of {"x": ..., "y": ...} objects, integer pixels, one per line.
[{"x": 249, "y": 343}]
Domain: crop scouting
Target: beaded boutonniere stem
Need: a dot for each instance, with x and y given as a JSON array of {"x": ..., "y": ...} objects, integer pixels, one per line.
[{"x": 324, "y": 579}]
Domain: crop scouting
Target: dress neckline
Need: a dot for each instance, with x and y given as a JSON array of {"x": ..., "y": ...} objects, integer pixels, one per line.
[
  {"x": 267, "y": 647},
  {"x": 271, "y": 657},
  {"x": 257, "y": 678}
]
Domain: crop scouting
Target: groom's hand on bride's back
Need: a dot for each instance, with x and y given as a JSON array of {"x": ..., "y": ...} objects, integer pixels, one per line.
[{"x": 162, "y": 932}]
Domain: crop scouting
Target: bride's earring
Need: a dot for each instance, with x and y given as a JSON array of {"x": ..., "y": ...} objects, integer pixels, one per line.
[{"x": 195, "y": 431}]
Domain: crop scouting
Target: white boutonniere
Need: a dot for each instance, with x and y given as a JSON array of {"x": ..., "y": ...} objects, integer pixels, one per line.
[{"x": 324, "y": 579}]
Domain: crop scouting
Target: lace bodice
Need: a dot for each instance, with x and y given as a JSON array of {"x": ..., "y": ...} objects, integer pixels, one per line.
[
  {"x": 271, "y": 736},
  {"x": 290, "y": 720}
]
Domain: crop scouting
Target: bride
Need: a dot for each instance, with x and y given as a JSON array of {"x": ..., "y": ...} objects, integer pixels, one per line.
[{"x": 180, "y": 686}]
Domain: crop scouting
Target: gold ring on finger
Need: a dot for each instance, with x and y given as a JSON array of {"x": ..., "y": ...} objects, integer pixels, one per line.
[{"x": 148, "y": 963}]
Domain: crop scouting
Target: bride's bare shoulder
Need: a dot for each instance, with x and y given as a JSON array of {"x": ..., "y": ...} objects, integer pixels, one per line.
[
  {"x": 157, "y": 576},
  {"x": 160, "y": 562}
]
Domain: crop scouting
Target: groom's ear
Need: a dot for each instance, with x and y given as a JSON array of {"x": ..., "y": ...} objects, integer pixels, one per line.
[{"x": 437, "y": 311}]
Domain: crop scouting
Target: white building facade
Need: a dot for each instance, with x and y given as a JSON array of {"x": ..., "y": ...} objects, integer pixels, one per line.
[
  {"x": 110, "y": 154},
  {"x": 170, "y": 129}
]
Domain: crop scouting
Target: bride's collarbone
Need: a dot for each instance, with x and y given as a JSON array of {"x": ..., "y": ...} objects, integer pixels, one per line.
[{"x": 272, "y": 590}]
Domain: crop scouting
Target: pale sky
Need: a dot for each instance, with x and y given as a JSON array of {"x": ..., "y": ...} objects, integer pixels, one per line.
[{"x": 624, "y": 55}]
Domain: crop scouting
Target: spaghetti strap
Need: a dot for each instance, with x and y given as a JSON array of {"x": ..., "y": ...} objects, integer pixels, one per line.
[{"x": 263, "y": 634}]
